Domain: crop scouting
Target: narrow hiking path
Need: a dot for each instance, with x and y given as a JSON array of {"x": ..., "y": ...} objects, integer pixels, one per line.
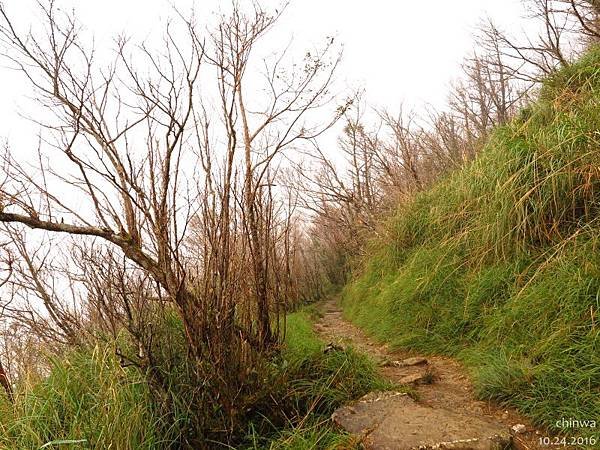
[{"x": 446, "y": 413}]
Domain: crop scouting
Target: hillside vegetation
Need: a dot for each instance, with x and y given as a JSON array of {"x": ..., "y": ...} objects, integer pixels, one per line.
[
  {"x": 89, "y": 400},
  {"x": 182, "y": 204},
  {"x": 499, "y": 262}
]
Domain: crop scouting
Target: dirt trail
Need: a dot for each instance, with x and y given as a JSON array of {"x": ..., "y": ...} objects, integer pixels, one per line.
[{"x": 446, "y": 413}]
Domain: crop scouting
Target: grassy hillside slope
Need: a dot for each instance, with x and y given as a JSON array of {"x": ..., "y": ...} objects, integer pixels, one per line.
[{"x": 499, "y": 263}]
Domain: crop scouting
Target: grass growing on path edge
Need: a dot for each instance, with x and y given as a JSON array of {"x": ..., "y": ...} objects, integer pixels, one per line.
[
  {"x": 89, "y": 401},
  {"x": 324, "y": 381}
]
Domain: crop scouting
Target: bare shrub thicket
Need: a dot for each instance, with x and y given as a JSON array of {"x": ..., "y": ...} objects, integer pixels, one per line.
[
  {"x": 385, "y": 163},
  {"x": 567, "y": 28},
  {"x": 166, "y": 186},
  {"x": 387, "y": 160}
]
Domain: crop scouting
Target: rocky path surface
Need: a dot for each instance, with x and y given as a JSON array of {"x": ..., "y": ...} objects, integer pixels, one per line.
[{"x": 444, "y": 413}]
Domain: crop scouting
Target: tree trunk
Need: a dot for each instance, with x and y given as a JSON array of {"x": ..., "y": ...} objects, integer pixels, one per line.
[{"x": 5, "y": 383}]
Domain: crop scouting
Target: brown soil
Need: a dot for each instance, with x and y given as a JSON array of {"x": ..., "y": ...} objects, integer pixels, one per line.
[{"x": 441, "y": 384}]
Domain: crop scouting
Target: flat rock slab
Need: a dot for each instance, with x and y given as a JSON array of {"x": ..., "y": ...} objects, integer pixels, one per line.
[
  {"x": 394, "y": 421},
  {"x": 416, "y": 378},
  {"x": 415, "y": 361}
]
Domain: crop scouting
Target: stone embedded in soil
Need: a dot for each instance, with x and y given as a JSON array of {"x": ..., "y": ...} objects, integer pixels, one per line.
[
  {"x": 394, "y": 421},
  {"x": 417, "y": 378},
  {"x": 331, "y": 347},
  {"x": 415, "y": 361},
  {"x": 518, "y": 428}
]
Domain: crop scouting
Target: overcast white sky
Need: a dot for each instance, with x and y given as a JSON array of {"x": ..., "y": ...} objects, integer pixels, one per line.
[{"x": 398, "y": 50}]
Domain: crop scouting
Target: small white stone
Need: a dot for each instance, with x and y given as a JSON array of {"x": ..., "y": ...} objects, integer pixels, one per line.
[{"x": 519, "y": 428}]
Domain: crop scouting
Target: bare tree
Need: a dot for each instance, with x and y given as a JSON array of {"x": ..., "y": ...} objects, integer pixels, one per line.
[
  {"x": 567, "y": 28},
  {"x": 587, "y": 13},
  {"x": 142, "y": 161},
  {"x": 4, "y": 378},
  {"x": 44, "y": 297}
]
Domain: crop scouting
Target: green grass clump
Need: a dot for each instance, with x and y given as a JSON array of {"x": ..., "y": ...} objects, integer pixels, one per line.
[
  {"x": 312, "y": 435},
  {"x": 87, "y": 401},
  {"x": 300, "y": 338},
  {"x": 312, "y": 384},
  {"x": 498, "y": 263}
]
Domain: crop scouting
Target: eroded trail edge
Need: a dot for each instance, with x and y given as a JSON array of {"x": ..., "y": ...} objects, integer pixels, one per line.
[{"x": 443, "y": 413}]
